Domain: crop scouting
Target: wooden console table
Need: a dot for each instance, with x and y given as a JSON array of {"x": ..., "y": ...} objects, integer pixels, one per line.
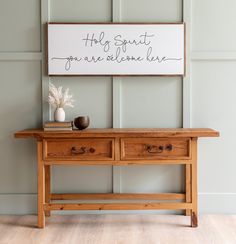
[{"x": 117, "y": 147}]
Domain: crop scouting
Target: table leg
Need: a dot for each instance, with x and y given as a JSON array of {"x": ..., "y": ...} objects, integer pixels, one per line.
[
  {"x": 188, "y": 187},
  {"x": 194, "y": 214},
  {"x": 47, "y": 187},
  {"x": 41, "y": 186}
]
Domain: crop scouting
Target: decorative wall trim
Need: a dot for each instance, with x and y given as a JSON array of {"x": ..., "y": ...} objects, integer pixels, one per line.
[
  {"x": 187, "y": 18},
  {"x": 213, "y": 55},
  {"x": 116, "y": 81},
  {"x": 116, "y": 100},
  {"x": 45, "y": 17},
  {"x": 20, "y": 56},
  {"x": 116, "y": 10}
]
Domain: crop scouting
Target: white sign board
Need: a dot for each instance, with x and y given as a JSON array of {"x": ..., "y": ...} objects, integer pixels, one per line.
[{"x": 116, "y": 49}]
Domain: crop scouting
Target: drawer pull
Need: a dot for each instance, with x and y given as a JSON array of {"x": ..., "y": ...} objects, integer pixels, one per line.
[
  {"x": 154, "y": 149},
  {"x": 82, "y": 150},
  {"x": 169, "y": 147}
]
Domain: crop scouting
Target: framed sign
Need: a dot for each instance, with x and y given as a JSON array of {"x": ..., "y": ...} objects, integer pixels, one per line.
[{"x": 116, "y": 49}]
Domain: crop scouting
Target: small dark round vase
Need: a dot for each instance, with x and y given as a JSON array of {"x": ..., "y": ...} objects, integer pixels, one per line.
[{"x": 81, "y": 122}]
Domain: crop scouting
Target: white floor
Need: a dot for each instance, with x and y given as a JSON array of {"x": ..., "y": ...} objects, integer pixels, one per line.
[{"x": 120, "y": 229}]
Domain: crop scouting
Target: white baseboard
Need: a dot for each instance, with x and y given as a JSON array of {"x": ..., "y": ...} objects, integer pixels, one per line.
[{"x": 209, "y": 203}]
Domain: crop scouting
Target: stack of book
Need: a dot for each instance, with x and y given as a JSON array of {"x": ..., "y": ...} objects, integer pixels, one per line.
[{"x": 58, "y": 126}]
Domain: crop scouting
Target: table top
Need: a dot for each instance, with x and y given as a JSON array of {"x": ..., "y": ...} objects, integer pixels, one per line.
[{"x": 123, "y": 132}]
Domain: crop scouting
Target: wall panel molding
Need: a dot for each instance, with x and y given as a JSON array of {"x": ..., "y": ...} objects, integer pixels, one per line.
[
  {"x": 187, "y": 18},
  {"x": 45, "y": 17},
  {"x": 213, "y": 55},
  {"x": 20, "y": 56},
  {"x": 116, "y": 100}
]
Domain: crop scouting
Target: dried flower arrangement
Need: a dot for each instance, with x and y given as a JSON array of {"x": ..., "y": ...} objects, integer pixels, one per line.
[{"x": 59, "y": 98}]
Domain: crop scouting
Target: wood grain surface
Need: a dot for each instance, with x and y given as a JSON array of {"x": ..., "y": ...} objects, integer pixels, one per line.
[
  {"x": 118, "y": 147},
  {"x": 140, "y": 132}
]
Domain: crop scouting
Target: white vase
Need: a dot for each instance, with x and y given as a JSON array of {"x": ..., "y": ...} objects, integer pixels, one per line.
[{"x": 59, "y": 115}]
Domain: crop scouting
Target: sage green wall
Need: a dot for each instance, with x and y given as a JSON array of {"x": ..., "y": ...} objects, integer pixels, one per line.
[{"x": 204, "y": 98}]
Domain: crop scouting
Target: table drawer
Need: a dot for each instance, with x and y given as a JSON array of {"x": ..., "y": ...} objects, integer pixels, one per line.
[
  {"x": 79, "y": 149},
  {"x": 155, "y": 148}
]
